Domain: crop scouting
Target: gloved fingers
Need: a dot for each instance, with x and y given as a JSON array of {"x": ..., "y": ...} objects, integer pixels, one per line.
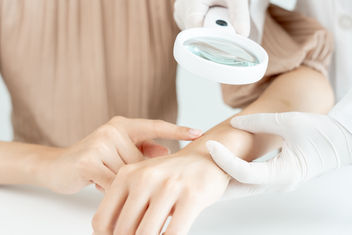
[
  {"x": 270, "y": 123},
  {"x": 190, "y": 14},
  {"x": 179, "y": 11},
  {"x": 239, "y": 15},
  {"x": 195, "y": 19},
  {"x": 289, "y": 187},
  {"x": 237, "y": 190},
  {"x": 244, "y": 172}
]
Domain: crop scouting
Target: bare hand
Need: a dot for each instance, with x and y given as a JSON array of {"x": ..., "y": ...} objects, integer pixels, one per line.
[{"x": 98, "y": 158}]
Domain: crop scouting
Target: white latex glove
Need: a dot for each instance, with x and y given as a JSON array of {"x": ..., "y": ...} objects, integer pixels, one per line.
[
  {"x": 191, "y": 13},
  {"x": 313, "y": 144}
]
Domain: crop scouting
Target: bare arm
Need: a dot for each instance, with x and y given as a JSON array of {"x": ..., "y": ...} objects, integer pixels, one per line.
[
  {"x": 95, "y": 159},
  {"x": 183, "y": 184},
  {"x": 301, "y": 90},
  {"x": 21, "y": 163}
]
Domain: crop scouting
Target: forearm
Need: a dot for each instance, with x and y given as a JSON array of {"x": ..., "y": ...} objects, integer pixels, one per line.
[
  {"x": 22, "y": 163},
  {"x": 302, "y": 90}
]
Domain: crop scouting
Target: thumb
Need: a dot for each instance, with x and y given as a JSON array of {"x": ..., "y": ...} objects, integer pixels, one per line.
[
  {"x": 270, "y": 123},
  {"x": 244, "y": 172},
  {"x": 239, "y": 16}
]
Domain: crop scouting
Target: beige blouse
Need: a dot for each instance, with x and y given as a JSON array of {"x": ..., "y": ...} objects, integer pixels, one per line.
[
  {"x": 291, "y": 40},
  {"x": 71, "y": 65}
]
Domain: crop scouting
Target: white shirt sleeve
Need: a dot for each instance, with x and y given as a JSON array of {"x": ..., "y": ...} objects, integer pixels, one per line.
[
  {"x": 257, "y": 10},
  {"x": 342, "y": 111}
]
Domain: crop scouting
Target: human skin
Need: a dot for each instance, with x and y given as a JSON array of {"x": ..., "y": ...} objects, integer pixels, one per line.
[
  {"x": 144, "y": 194},
  {"x": 95, "y": 159}
]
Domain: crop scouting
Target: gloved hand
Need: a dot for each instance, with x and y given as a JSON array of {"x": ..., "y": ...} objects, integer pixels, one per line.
[
  {"x": 191, "y": 13},
  {"x": 313, "y": 144}
]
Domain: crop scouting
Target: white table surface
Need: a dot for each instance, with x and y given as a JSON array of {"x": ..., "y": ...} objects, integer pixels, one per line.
[{"x": 322, "y": 206}]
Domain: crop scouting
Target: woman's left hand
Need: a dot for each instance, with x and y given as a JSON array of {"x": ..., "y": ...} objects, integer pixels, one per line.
[{"x": 144, "y": 194}]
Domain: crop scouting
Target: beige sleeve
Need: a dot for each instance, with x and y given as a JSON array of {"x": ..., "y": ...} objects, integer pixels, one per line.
[{"x": 291, "y": 40}]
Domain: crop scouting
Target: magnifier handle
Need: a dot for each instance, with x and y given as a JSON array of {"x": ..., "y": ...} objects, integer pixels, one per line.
[{"x": 218, "y": 17}]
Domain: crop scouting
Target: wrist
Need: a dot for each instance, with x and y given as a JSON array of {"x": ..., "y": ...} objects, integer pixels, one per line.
[
  {"x": 40, "y": 168},
  {"x": 241, "y": 143},
  {"x": 201, "y": 159}
]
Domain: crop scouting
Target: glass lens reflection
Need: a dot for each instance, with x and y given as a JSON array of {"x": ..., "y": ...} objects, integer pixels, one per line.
[{"x": 221, "y": 51}]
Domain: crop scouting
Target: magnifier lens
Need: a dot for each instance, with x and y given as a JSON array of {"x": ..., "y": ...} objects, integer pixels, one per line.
[{"x": 221, "y": 51}]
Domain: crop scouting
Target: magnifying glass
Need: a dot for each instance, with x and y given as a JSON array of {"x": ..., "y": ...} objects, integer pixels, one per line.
[{"x": 216, "y": 52}]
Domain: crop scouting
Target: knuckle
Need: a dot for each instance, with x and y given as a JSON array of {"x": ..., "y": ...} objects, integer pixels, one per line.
[
  {"x": 106, "y": 131},
  {"x": 141, "y": 179},
  {"x": 84, "y": 164},
  {"x": 98, "y": 147},
  {"x": 191, "y": 194},
  {"x": 117, "y": 120},
  {"x": 148, "y": 174},
  {"x": 125, "y": 171},
  {"x": 172, "y": 185}
]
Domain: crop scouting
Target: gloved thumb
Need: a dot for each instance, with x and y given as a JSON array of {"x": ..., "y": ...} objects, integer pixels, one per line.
[
  {"x": 244, "y": 172},
  {"x": 239, "y": 16}
]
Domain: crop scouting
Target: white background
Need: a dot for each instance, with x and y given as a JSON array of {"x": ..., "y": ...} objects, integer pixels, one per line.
[{"x": 322, "y": 206}]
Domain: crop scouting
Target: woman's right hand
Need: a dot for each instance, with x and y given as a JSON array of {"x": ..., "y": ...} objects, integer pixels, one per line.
[{"x": 98, "y": 157}]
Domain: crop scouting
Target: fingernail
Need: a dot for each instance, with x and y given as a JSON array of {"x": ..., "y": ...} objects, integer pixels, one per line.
[{"x": 194, "y": 133}]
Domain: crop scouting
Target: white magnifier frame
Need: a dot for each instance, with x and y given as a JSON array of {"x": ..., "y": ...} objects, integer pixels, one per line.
[{"x": 227, "y": 74}]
